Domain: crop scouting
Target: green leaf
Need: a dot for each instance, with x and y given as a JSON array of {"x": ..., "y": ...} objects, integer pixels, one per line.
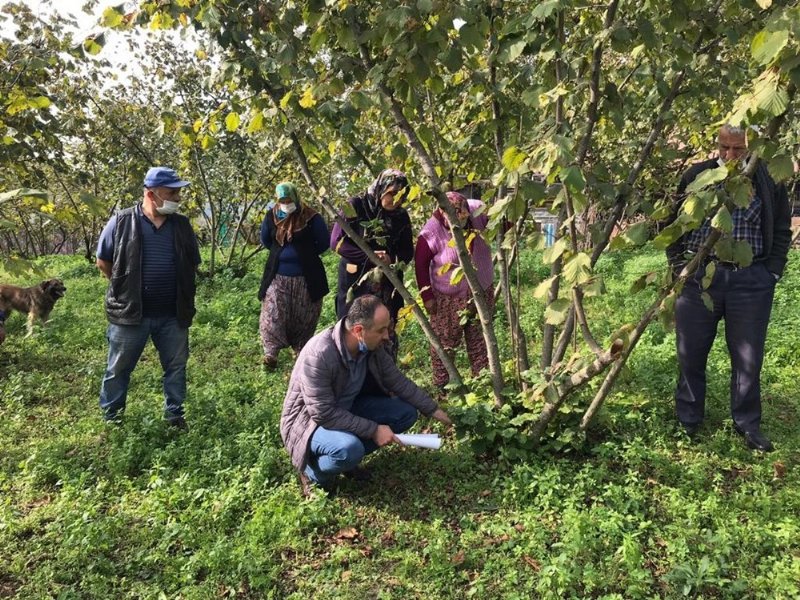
[
  {"x": 544, "y": 9},
  {"x": 556, "y": 312},
  {"x": 541, "y": 290},
  {"x": 633, "y": 236},
  {"x": 668, "y": 236},
  {"x": 578, "y": 269},
  {"x": 723, "y": 220},
  {"x": 594, "y": 287},
  {"x": 509, "y": 52},
  {"x": 708, "y": 275},
  {"x": 425, "y": 6},
  {"x": 23, "y": 193},
  {"x": 741, "y": 192},
  {"x": 572, "y": 177},
  {"x": 707, "y": 178},
  {"x": 471, "y": 36},
  {"x": 742, "y": 253},
  {"x": 232, "y": 121},
  {"x": 781, "y": 167},
  {"x": 768, "y": 44},
  {"x": 770, "y": 96},
  {"x": 90, "y": 45},
  {"x": 724, "y": 249},
  {"x": 318, "y": 39},
  {"x": 453, "y": 59},
  {"x": 706, "y": 297},
  {"x": 93, "y": 203},
  {"x": 556, "y": 250}
]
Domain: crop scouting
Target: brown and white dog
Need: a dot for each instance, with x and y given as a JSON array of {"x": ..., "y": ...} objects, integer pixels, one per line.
[{"x": 36, "y": 301}]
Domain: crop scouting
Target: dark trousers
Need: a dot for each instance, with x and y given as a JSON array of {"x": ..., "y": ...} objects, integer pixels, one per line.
[{"x": 743, "y": 298}]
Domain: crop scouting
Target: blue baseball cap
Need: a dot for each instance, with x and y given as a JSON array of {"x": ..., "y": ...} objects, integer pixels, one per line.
[{"x": 163, "y": 177}]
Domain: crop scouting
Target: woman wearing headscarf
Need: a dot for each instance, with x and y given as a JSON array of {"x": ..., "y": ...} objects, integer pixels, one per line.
[
  {"x": 294, "y": 281},
  {"x": 448, "y": 300},
  {"x": 379, "y": 218}
]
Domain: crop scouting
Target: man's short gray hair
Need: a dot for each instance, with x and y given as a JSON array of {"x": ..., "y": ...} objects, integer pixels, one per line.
[
  {"x": 732, "y": 129},
  {"x": 362, "y": 311}
]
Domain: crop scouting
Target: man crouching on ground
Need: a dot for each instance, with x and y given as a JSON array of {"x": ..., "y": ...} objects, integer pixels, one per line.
[{"x": 330, "y": 420}]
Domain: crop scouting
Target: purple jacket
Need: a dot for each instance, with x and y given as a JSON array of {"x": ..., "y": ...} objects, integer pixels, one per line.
[{"x": 318, "y": 379}]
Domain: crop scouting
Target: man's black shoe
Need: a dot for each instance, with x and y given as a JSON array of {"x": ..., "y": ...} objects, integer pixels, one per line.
[
  {"x": 755, "y": 439},
  {"x": 691, "y": 430},
  {"x": 359, "y": 474},
  {"x": 178, "y": 423}
]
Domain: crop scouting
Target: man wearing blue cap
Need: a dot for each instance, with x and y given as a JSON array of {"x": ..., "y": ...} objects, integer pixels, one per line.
[{"x": 150, "y": 255}]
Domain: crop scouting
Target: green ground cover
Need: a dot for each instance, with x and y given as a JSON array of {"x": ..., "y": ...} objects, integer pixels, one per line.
[{"x": 634, "y": 511}]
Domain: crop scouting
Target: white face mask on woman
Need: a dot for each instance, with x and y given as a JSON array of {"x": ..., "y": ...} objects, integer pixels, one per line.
[{"x": 284, "y": 210}]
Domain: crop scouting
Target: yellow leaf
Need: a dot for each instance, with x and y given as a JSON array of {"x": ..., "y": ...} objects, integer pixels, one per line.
[
  {"x": 285, "y": 100},
  {"x": 198, "y": 125},
  {"x": 256, "y": 123},
  {"x": 110, "y": 18},
  {"x": 307, "y": 101},
  {"x": 232, "y": 121},
  {"x": 444, "y": 268}
]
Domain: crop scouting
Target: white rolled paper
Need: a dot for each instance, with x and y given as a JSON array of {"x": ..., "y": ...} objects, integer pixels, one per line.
[{"x": 421, "y": 440}]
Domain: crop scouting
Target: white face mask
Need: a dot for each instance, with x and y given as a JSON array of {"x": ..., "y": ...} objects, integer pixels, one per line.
[
  {"x": 168, "y": 208},
  {"x": 287, "y": 209}
]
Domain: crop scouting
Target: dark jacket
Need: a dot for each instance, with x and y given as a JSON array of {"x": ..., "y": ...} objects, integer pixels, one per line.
[
  {"x": 124, "y": 294},
  {"x": 775, "y": 217},
  {"x": 387, "y": 230},
  {"x": 319, "y": 376},
  {"x": 310, "y": 262}
]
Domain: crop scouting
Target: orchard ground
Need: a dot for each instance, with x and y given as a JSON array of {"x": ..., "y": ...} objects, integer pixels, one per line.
[{"x": 631, "y": 510}]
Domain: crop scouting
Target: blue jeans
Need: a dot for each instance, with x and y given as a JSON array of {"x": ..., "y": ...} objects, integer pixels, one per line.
[
  {"x": 333, "y": 452},
  {"x": 125, "y": 346}
]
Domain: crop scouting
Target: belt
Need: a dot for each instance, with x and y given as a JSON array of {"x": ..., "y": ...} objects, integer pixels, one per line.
[{"x": 728, "y": 266}]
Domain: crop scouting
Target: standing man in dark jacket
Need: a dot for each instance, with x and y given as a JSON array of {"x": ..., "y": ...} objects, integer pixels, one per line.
[
  {"x": 741, "y": 295},
  {"x": 329, "y": 422},
  {"x": 150, "y": 256}
]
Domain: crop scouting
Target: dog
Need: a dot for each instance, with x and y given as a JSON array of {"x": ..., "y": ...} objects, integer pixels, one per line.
[{"x": 37, "y": 301}]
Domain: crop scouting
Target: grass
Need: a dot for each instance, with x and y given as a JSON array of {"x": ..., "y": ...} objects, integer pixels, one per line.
[{"x": 634, "y": 511}]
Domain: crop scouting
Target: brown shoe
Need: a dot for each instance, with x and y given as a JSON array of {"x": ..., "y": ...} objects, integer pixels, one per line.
[{"x": 305, "y": 484}]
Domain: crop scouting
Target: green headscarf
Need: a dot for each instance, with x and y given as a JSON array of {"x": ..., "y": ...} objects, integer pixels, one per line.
[{"x": 287, "y": 190}]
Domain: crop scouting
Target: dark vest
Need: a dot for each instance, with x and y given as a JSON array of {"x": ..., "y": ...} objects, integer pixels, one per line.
[
  {"x": 124, "y": 294},
  {"x": 310, "y": 263}
]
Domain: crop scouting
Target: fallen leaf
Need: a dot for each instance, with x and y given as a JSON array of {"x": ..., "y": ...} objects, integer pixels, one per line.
[
  {"x": 347, "y": 533},
  {"x": 779, "y": 470},
  {"x": 458, "y": 558},
  {"x": 519, "y": 527},
  {"x": 532, "y": 563},
  {"x": 346, "y": 575},
  {"x": 485, "y": 493}
]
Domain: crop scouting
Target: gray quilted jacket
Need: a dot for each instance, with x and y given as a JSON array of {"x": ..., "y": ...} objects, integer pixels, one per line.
[{"x": 318, "y": 379}]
